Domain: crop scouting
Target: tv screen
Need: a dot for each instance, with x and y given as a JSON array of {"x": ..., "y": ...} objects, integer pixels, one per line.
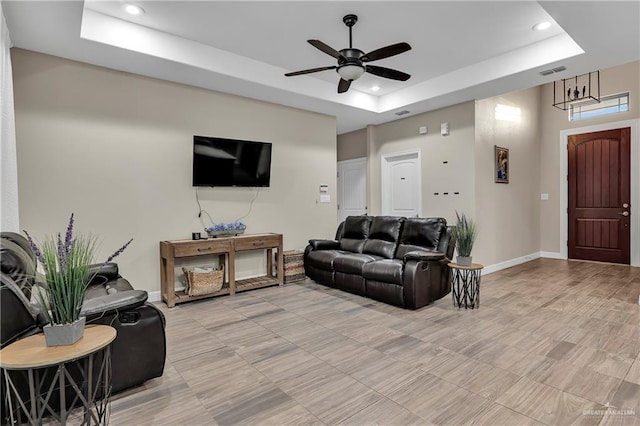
[{"x": 230, "y": 162}]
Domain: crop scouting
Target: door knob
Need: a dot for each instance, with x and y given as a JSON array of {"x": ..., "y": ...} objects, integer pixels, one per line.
[
  {"x": 625, "y": 206},
  {"x": 624, "y": 213}
]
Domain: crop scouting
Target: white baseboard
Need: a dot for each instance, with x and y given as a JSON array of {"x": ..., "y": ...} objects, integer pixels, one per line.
[
  {"x": 518, "y": 260},
  {"x": 552, "y": 255},
  {"x": 154, "y": 296},
  {"x": 509, "y": 263}
]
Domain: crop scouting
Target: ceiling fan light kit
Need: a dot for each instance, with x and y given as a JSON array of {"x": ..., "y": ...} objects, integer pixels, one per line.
[
  {"x": 350, "y": 72},
  {"x": 351, "y": 62}
]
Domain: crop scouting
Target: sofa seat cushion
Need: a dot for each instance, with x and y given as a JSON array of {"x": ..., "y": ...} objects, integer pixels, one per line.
[
  {"x": 353, "y": 263},
  {"x": 386, "y": 271},
  {"x": 323, "y": 259}
]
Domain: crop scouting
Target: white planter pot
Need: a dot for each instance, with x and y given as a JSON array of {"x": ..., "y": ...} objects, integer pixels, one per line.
[
  {"x": 463, "y": 260},
  {"x": 64, "y": 334}
]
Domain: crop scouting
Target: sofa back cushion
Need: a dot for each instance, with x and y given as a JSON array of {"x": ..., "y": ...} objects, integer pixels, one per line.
[
  {"x": 421, "y": 234},
  {"x": 355, "y": 233},
  {"x": 383, "y": 236}
]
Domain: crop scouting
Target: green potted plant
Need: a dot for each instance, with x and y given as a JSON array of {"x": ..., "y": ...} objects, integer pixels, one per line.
[
  {"x": 68, "y": 269},
  {"x": 465, "y": 231}
]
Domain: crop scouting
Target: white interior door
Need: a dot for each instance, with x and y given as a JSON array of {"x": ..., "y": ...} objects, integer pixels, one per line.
[
  {"x": 352, "y": 188},
  {"x": 402, "y": 184}
]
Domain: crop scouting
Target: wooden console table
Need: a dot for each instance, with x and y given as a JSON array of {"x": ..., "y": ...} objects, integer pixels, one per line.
[{"x": 225, "y": 248}]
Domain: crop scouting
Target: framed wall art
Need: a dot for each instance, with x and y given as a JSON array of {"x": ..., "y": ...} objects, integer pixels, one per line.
[{"x": 501, "y": 156}]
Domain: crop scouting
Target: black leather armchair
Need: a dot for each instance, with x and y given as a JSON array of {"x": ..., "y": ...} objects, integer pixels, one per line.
[{"x": 139, "y": 350}]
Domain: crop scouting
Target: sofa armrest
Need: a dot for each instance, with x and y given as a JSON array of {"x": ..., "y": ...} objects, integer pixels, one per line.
[
  {"x": 426, "y": 277},
  {"x": 108, "y": 270},
  {"x": 120, "y": 301},
  {"x": 324, "y": 244},
  {"x": 423, "y": 255}
]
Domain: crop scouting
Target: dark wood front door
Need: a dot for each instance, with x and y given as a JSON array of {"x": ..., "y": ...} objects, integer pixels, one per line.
[{"x": 600, "y": 196}]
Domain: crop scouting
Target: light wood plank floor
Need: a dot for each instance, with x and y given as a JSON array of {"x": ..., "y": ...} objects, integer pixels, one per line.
[{"x": 554, "y": 342}]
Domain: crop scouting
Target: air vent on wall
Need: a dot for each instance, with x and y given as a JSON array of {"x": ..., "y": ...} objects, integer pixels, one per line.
[
  {"x": 403, "y": 112},
  {"x": 552, "y": 70}
]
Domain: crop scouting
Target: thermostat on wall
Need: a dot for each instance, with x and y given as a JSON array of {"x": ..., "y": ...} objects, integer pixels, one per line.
[{"x": 324, "y": 188}]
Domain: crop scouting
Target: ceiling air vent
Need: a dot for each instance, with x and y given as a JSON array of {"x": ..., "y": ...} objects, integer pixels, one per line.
[
  {"x": 552, "y": 70},
  {"x": 403, "y": 112}
]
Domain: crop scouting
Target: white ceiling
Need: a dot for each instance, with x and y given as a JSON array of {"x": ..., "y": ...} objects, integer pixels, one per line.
[{"x": 460, "y": 50}]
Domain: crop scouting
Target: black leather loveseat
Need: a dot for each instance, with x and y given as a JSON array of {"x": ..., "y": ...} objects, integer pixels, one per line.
[
  {"x": 137, "y": 353},
  {"x": 397, "y": 260}
]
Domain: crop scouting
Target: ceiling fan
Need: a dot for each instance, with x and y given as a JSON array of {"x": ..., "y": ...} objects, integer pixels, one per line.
[{"x": 351, "y": 62}]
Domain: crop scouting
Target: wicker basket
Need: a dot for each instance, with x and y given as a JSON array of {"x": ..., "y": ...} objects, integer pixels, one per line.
[{"x": 199, "y": 283}]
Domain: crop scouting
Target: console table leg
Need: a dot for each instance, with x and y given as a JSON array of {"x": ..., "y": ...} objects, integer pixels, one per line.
[
  {"x": 269, "y": 262},
  {"x": 232, "y": 272},
  {"x": 280, "y": 272},
  {"x": 170, "y": 282}
]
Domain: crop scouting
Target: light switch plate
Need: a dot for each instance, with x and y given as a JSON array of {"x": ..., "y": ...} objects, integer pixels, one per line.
[
  {"x": 544, "y": 196},
  {"x": 444, "y": 129}
]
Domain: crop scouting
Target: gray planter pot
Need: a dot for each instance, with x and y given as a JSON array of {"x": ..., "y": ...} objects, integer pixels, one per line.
[
  {"x": 64, "y": 334},
  {"x": 463, "y": 260}
]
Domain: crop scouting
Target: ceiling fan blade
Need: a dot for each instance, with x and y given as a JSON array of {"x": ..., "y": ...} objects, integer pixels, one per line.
[
  {"x": 387, "y": 73},
  {"x": 309, "y": 71},
  {"x": 343, "y": 86},
  {"x": 325, "y": 48},
  {"x": 385, "y": 52}
]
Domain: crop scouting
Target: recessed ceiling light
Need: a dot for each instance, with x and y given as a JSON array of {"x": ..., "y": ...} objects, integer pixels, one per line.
[
  {"x": 541, "y": 26},
  {"x": 134, "y": 10},
  {"x": 375, "y": 88}
]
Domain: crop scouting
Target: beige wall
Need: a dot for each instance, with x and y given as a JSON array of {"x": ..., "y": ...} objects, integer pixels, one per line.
[
  {"x": 612, "y": 80},
  {"x": 352, "y": 145},
  {"x": 457, "y": 149},
  {"x": 514, "y": 222},
  {"x": 116, "y": 149},
  {"x": 507, "y": 214}
]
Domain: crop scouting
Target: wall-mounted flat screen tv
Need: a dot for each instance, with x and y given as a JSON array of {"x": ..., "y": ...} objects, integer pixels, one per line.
[{"x": 230, "y": 162}]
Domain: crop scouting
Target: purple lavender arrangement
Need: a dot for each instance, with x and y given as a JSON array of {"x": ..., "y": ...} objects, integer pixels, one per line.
[
  {"x": 66, "y": 264},
  {"x": 226, "y": 228}
]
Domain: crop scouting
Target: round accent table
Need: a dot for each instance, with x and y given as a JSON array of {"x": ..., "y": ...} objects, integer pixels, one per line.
[
  {"x": 465, "y": 285},
  {"x": 84, "y": 369}
]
